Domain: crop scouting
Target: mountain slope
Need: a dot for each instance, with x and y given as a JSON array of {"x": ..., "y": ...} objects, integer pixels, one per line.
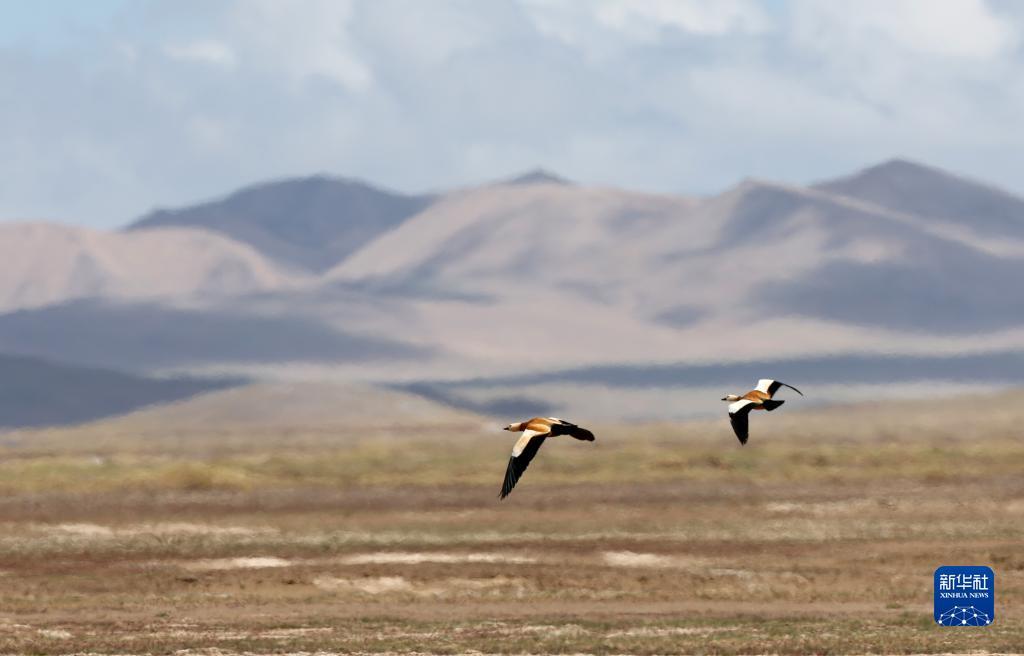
[
  {"x": 517, "y": 278},
  {"x": 148, "y": 336},
  {"x": 36, "y": 392},
  {"x": 547, "y": 273},
  {"x": 537, "y": 176},
  {"x": 914, "y": 188},
  {"x": 309, "y": 223},
  {"x": 500, "y": 238},
  {"x": 860, "y": 264},
  {"x": 314, "y": 405},
  {"x": 42, "y": 264}
]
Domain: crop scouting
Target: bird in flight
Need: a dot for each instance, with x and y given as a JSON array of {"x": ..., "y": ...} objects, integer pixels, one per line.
[
  {"x": 759, "y": 398},
  {"x": 535, "y": 431}
]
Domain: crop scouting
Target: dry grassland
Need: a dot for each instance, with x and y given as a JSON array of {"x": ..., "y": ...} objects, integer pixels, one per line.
[{"x": 820, "y": 536}]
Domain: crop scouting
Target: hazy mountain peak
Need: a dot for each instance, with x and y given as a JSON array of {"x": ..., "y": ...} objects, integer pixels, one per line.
[
  {"x": 898, "y": 172},
  {"x": 45, "y": 263},
  {"x": 903, "y": 164},
  {"x": 750, "y": 184},
  {"x": 309, "y": 183},
  {"x": 913, "y": 188},
  {"x": 905, "y": 175},
  {"x": 538, "y": 176},
  {"x": 311, "y": 222},
  {"x": 760, "y": 187}
]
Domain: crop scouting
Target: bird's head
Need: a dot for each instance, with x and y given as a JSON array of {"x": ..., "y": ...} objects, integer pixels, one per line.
[
  {"x": 514, "y": 427},
  {"x": 730, "y": 398}
]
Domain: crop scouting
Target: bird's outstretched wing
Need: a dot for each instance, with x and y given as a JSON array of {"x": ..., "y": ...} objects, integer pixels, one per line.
[
  {"x": 571, "y": 429},
  {"x": 739, "y": 416},
  {"x": 770, "y": 387},
  {"x": 581, "y": 433},
  {"x": 522, "y": 453}
]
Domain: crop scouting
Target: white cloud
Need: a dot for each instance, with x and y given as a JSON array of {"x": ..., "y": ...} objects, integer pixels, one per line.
[
  {"x": 646, "y": 19},
  {"x": 207, "y": 133},
  {"x": 303, "y": 40},
  {"x": 922, "y": 68},
  {"x": 786, "y": 108},
  {"x": 207, "y": 51},
  {"x": 953, "y": 28},
  {"x": 431, "y": 33},
  {"x": 178, "y": 101},
  {"x": 600, "y": 27}
]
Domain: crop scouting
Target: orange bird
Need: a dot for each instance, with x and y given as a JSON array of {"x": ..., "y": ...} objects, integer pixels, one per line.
[
  {"x": 759, "y": 398},
  {"x": 535, "y": 431}
]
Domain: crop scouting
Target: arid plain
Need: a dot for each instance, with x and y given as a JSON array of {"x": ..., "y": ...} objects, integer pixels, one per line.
[{"x": 174, "y": 530}]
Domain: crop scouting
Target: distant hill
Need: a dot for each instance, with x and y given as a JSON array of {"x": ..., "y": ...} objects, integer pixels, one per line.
[
  {"x": 533, "y": 275},
  {"x": 500, "y": 238},
  {"x": 312, "y": 405},
  {"x": 679, "y": 390},
  {"x": 537, "y": 176},
  {"x": 763, "y": 248},
  {"x": 914, "y": 188},
  {"x": 309, "y": 223},
  {"x": 314, "y": 415},
  {"x": 148, "y": 336},
  {"x": 42, "y": 264},
  {"x": 862, "y": 265},
  {"x": 36, "y": 392},
  {"x": 542, "y": 274}
]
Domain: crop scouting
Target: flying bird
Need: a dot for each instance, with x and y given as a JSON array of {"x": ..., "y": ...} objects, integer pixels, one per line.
[
  {"x": 535, "y": 431},
  {"x": 759, "y": 398}
]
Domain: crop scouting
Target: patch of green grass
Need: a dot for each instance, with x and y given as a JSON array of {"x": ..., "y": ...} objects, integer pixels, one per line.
[{"x": 481, "y": 461}]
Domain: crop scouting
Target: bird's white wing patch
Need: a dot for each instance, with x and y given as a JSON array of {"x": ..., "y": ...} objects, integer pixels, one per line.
[
  {"x": 523, "y": 441},
  {"x": 764, "y": 384},
  {"x": 739, "y": 405}
]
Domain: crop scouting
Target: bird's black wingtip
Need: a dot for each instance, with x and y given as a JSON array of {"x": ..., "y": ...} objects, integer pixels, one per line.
[{"x": 581, "y": 434}]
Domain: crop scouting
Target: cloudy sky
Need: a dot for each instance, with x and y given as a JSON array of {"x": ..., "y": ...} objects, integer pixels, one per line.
[{"x": 112, "y": 107}]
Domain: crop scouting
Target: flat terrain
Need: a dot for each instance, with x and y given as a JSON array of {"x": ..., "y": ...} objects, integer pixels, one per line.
[{"x": 820, "y": 536}]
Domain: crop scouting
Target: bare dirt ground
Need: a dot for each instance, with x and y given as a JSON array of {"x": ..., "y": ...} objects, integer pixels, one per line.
[{"x": 820, "y": 536}]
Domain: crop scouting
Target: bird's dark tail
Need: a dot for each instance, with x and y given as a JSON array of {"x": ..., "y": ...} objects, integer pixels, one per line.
[
  {"x": 581, "y": 434},
  {"x": 770, "y": 405}
]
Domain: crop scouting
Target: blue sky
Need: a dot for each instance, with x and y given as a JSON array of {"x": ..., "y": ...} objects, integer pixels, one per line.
[
  {"x": 53, "y": 23},
  {"x": 109, "y": 108}
]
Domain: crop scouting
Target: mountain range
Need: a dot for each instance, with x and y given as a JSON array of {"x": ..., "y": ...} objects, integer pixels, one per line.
[
  {"x": 309, "y": 223},
  {"x": 481, "y": 296},
  {"x": 35, "y": 392}
]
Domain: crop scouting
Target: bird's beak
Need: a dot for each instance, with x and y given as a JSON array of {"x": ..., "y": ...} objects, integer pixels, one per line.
[
  {"x": 725, "y": 398},
  {"x": 507, "y": 428}
]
